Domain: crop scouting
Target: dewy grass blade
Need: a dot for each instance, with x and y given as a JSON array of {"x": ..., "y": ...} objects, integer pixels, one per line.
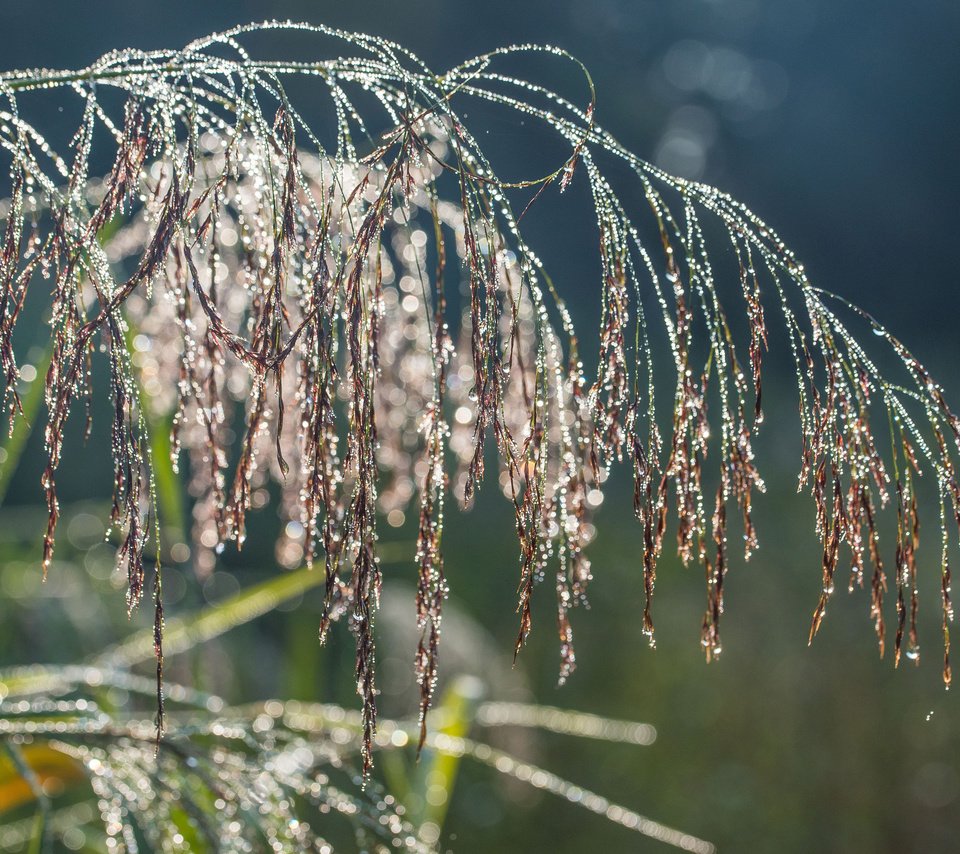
[
  {"x": 186, "y": 632},
  {"x": 13, "y": 444}
]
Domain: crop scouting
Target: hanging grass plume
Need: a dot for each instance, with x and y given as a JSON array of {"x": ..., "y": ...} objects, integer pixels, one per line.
[{"x": 362, "y": 322}]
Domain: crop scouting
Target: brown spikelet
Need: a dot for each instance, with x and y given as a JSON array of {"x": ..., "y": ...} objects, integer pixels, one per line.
[
  {"x": 158, "y": 646},
  {"x": 716, "y": 572},
  {"x": 831, "y": 553},
  {"x": 431, "y": 581}
]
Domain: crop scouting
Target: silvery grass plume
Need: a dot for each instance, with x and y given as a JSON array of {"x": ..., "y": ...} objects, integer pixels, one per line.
[{"x": 362, "y": 322}]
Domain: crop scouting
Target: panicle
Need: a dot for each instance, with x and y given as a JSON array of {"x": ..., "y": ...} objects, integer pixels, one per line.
[{"x": 367, "y": 333}]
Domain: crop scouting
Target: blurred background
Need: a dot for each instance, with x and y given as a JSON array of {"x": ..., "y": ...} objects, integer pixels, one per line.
[{"x": 837, "y": 123}]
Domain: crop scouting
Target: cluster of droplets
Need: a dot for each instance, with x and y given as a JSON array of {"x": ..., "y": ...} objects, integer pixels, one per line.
[{"x": 267, "y": 786}]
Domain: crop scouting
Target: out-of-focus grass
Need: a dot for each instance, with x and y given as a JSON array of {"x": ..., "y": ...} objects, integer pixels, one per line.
[{"x": 224, "y": 631}]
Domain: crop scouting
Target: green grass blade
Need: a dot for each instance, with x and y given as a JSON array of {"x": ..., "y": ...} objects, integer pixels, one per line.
[
  {"x": 13, "y": 443},
  {"x": 166, "y": 481},
  {"x": 39, "y": 838},
  {"x": 435, "y": 775},
  {"x": 187, "y": 632}
]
